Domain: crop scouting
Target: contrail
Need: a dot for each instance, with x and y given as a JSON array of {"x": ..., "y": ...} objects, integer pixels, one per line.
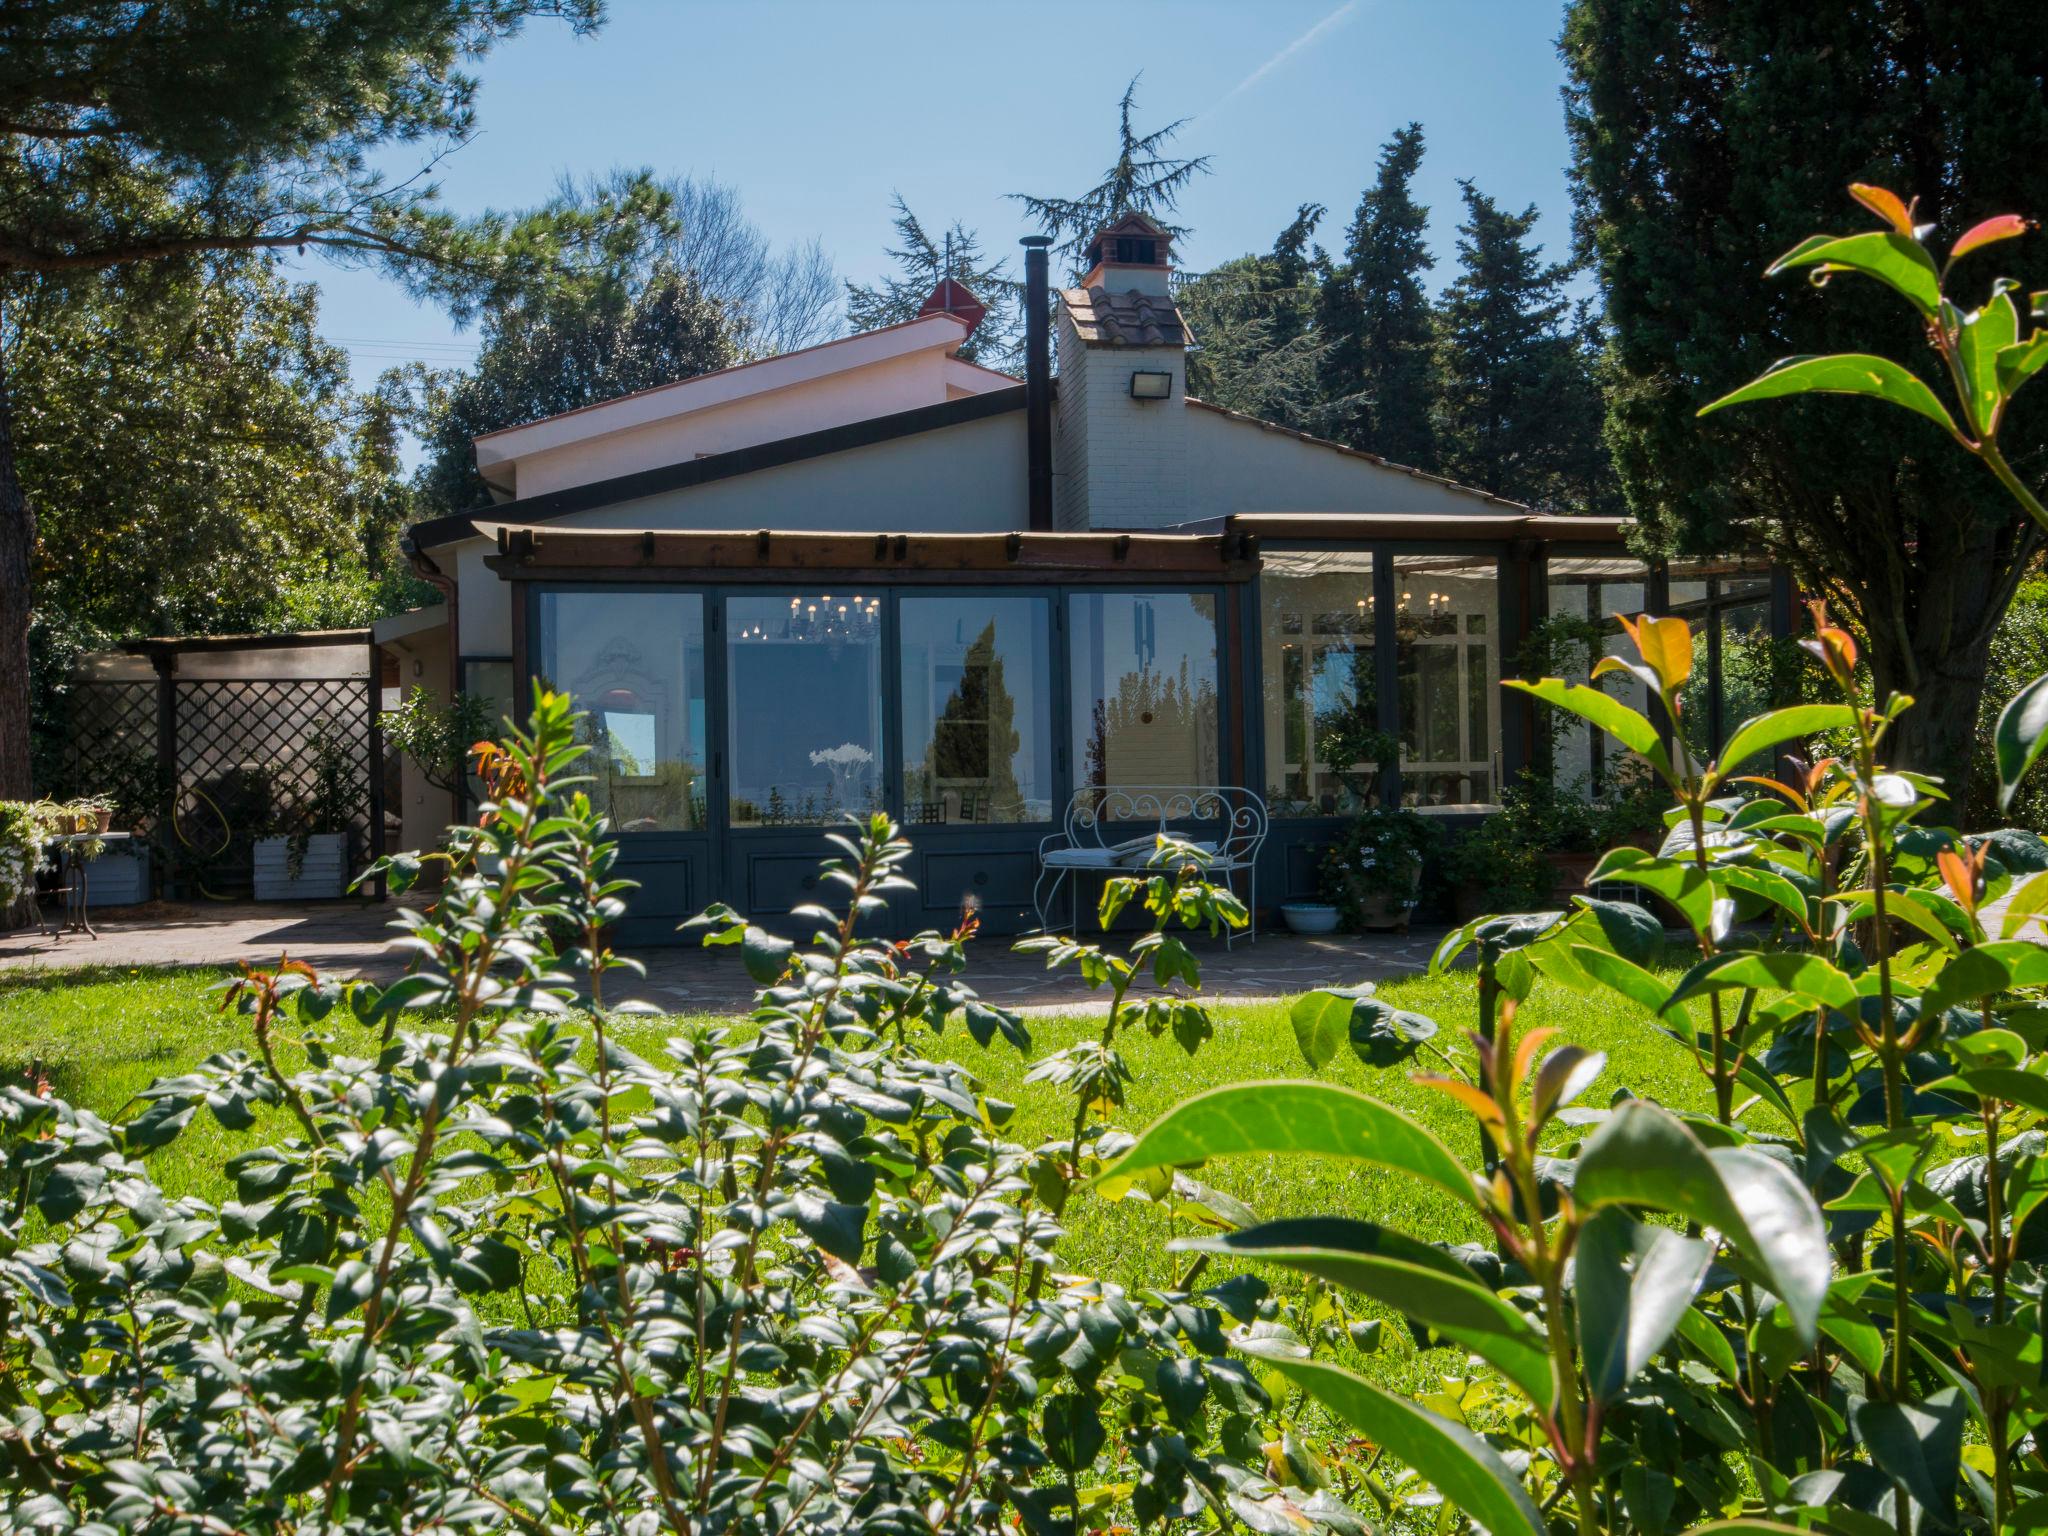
[{"x": 1334, "y": 19}]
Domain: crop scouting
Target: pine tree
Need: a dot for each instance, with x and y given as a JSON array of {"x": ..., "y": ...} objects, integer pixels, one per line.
[
  {"x": 1514, "y": 415},
  {"x": 1142, "y": 179},
  {"x": 1379, "y": 364},
  {"x": 1259, "y": 350},
  {"x": 921, "y": 261}
]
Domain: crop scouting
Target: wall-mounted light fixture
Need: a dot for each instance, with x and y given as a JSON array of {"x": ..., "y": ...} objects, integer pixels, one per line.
[{"x": 1149, "y": 385}]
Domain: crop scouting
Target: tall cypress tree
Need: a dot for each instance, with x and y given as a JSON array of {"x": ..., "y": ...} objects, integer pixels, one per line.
[
  {"x": 1515, "y": 416},
  {"x": 1379, "y": 368}
]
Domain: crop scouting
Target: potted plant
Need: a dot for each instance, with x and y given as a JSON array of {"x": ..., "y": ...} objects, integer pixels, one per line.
[
  {"x": 1499, "y": 866},
  {"x": 1372, "y": 874},
  {"x": 1351, "y": 745},
  {"x": 306, "y": 856}
]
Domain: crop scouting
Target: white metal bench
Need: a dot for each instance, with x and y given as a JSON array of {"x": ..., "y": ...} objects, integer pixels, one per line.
[{"x": 1115, "y": 831}]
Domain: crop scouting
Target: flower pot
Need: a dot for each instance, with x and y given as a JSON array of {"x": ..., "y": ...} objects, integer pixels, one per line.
[
  {"x": 323, "y": 876},
  {"x": 105, "y": 818},
  {"x": 1309, "y": 916},
  {"x": 119, "y": 877}
]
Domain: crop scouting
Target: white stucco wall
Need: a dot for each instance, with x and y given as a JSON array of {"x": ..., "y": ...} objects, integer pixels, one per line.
[
  {"x": 1237, "y": 466},
  {"x": 880, "y": 389},
  {"x": 964, "y": 479}
]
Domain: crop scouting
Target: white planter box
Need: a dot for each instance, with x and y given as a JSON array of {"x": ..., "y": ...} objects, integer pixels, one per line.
[
  {"x": 323, "y": 876},
  {"x": 118, "y": 879}
]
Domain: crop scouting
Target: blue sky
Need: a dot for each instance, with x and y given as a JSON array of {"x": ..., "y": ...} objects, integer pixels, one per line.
[{"x": 817, "y": 111}]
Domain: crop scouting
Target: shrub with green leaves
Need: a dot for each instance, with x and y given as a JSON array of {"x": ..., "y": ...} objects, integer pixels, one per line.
[
  {"x": 1820, "y": 1306},
  {"x": 506, "y": 1274}
]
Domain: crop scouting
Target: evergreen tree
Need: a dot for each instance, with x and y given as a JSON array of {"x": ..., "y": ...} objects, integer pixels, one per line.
[
  {"x": 1253, "y": 319},
  {"x": 975, "y": 737},
  {"x": 1512, "y": 417},
  {"x": 133, "y": 135},
  {"x": 1142, "y": 178},
  {"x": 1708, "y": 140},
  {"x": 562, "y": 349},
  {"x": 921, "y": 262},
  {"x": 1379, "y": 366}
]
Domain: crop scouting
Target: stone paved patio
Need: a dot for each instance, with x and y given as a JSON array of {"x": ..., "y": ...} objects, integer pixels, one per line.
[{"x": 348, "y": 939}]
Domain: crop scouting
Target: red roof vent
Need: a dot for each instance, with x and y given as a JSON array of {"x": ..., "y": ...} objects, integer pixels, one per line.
[{"x": 952, "y": 298}]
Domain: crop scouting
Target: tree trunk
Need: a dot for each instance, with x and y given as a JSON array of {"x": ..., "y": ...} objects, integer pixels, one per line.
[
  {"x": 1938, "y": 652},
  {"x": 17, "y": 551}
]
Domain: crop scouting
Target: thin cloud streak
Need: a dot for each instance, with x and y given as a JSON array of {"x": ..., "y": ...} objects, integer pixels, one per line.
[{"x": 1336, "y": 18}]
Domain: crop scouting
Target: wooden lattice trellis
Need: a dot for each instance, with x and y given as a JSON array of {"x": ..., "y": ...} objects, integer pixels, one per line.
[{"x": 204, "y": 766}]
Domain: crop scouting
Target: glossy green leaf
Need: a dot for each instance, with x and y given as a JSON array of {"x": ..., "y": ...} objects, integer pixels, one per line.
[
  {"x": 1800, "y": 721},
  {"x": 1461, "y": 1466},
  {"x": 2019, "y": 363},
  {"x": 1273, "y": 1117},
  {"x": 1679, "y": 881},
  {"x": 1918, "y": 1446},
  {"x": 1898, "y": 262},
  {"x": 1983, "y": 334},
  {"x": 1808, "y": 975},
  {"x": 1639, "y": 986},
  {"x": 1643, "y": 1156},
  {"x": 2020, "y": 737},
  {"x": 1633, "y": 1283},
  {"x": 1629, "y": 727},
  {"x": 1844, "y": 373},
  {"x": 1984, "y": 971},
  {"x": 1321, "y": 1020},
  {"x": 1422, "y": 1282},
  {"x": 1767, "y": 886}
]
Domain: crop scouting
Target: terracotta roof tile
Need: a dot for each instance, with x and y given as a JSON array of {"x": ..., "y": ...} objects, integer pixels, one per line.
[{"x": 1105, "y": 319}]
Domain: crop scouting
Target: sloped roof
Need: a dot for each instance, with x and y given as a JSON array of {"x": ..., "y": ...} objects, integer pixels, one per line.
[{"x": 1105, "y": 319}]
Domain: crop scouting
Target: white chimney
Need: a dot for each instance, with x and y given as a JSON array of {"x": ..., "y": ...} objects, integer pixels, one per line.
[{"x": 1121, "y": 456}]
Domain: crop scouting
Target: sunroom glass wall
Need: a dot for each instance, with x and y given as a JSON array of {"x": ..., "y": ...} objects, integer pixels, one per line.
[
  {"x": 1447, "y": 636},
  {"x": 1144, "y": 702},
  {"x": 634, "y": 663},
  {"x": 976, "y": 709},
  {"x": 1585, "y": 593},
  {"x": 1323, "y": 743},
  {"x": 804, "y": 699}
]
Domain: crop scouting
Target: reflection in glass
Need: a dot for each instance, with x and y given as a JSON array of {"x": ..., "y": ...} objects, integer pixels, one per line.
[
  {"x": 1585, "y": 594},
  {"x": 1736, "y": 667},
  {"x": 1143, "y": 688},
  {"x": 804, "y": 686},
  {"x": 634, "y": 663},
  {"x": 1324, "y": 746},
  {"x": 1445, "y": 619},
  {"x": 977, "y": 709}
]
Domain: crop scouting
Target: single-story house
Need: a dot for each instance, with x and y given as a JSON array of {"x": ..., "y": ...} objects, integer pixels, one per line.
[{"x": 872, "y": 574}]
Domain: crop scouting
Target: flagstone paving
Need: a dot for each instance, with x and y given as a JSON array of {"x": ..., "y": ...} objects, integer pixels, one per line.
[{"x": 350, "y": 939}]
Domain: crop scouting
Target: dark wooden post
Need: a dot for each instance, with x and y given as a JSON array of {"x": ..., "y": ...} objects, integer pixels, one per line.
[
  {"x": 374, "y": 688},
  {"x": 1386, "y": 595},
  {"x": 166, "y": 664}
]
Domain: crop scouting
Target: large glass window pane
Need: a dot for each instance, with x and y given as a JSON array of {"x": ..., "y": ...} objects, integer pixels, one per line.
[
  {"x": 1144, "y": 688},
  {"x": 1446, "y": 631},
  {"x": 634, "y": 663},
  {"x": 804, "y": 679},
  {"x": 977, "y": 709},
  {"x": 1323, "y": 742},
  {"x": 1585, "y": 594}
]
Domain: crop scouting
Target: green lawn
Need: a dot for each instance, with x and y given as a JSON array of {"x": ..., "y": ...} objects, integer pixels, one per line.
[{"x": 101, "y": 1035}]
